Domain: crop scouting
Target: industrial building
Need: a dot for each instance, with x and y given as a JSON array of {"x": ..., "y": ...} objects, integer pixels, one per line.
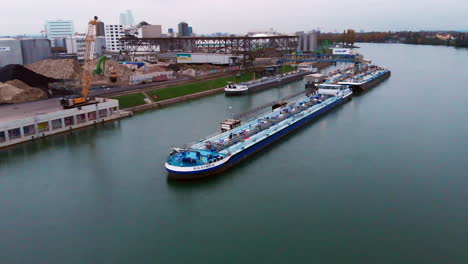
[
  {"x": 308, "y": 41},
  {"x": 23, "y": 51},
  {"x": 58, "y": 29},
  {"x": 113, "y": 34},
  {"x": 30, "y": 121},
  {"x": 151, "y": 31},
  {"x": 77, "y": 44}
]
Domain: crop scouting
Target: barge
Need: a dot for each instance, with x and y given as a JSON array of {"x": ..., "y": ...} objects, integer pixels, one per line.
[
  {"x": 370, "y": 77},
  {"x": 265, "y": 82},
  {"x": 313, "y": 80},
  {"x": 237, "y": 141}
]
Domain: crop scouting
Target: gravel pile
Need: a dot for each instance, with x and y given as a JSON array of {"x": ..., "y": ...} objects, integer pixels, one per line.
[{"x": 66, "y": 69}]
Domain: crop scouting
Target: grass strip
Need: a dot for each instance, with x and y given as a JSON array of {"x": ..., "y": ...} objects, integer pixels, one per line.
[
  {"x": 130, "y": 100},
  {"x": 191, "y": 88}
]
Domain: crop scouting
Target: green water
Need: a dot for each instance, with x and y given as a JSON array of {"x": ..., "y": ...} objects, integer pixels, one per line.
[{"x": 383, "y": 179}]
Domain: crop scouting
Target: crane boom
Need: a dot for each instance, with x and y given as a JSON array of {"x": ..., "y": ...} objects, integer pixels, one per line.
[
  {"x": 89, "y": 55},
  {"x": 90, "y": 42}
]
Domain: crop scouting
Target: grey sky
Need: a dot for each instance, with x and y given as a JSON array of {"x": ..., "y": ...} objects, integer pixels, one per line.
[{"x": 240, "y": 16}]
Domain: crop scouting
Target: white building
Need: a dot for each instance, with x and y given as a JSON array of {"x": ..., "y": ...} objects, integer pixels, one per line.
[
  {"x": 113, "y": 34},
  {"x": 56, "y": 29},
  {"x": 77, "y": 44}
]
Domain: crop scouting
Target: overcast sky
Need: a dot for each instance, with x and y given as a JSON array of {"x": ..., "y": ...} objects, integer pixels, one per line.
[{"x": 241, "y": 16}]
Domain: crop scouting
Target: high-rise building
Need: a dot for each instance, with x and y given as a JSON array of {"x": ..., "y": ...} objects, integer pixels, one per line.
[
  {"x": 170, "y": 32},
  {"x": 100, "y": 30},
  {"x": 183, "y": 29},
  {"x": 56, "y": 29},
  {"x": 113, "y": 34},
  {"x": 190, "y": 31},
  {"x": 127, "y": 18},
  {"x": 122, "y": 19},
  {"x": 130, "y": 18}
]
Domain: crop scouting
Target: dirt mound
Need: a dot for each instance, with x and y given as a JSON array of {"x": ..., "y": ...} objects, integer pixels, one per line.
[
  {"x": 10, "y": 93},
  {"x": 7, "y": 92},
  {"x": 153, "y": 68},
  {"x": 111, "y": 65},
  {"x": 15, "y": 71},
  {"x": 68, "y": 69},
  {"x": 18, "y": 84}
]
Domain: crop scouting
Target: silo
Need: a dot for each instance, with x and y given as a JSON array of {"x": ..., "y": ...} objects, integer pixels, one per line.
[
  {"x": 35, "y": 50},
  {"x": 10, "y": 51}
]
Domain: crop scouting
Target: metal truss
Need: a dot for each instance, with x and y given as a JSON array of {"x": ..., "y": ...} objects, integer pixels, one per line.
[{"x": 248, "y": 48}]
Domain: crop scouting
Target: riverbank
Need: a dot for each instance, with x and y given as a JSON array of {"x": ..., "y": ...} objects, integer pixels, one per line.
[{"x": 161, "y": 97}]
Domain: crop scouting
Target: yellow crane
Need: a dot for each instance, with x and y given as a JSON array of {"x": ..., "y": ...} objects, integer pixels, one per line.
[{"x": 90, "y": 42}]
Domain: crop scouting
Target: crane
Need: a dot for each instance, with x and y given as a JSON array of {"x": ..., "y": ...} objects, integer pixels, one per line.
[
  {"x": 132, "y": 31},
  {"x": 90, "y": 43}
]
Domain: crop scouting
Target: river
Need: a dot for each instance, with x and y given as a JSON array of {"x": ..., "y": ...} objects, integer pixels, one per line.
[{"x": 382, "y": 179}]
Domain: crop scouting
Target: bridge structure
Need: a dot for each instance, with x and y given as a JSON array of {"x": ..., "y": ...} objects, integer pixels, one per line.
[{"x": 247, "y": 48}]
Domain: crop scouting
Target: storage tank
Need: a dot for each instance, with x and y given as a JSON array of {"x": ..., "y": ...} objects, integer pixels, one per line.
[
  {"x": 10, "y": 51},
  {"x": 35, "y": 50}
]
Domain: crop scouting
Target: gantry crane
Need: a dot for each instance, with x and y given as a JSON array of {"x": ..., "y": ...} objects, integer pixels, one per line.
[{"x": 90, "y": 41}]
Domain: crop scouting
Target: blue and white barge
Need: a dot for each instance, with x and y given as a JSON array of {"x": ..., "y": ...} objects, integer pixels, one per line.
[{"x": 237, "y": 141}]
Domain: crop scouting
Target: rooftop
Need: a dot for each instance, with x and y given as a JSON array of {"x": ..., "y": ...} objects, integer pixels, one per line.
[{"x": 14, "y": 112}]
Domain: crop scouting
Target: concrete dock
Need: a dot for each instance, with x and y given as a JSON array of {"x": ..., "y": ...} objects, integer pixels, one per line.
[{"x": 29, "y": 121}]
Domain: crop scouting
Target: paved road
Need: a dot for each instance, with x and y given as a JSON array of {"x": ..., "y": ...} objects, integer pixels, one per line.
[{"x": 118, "y": 89}]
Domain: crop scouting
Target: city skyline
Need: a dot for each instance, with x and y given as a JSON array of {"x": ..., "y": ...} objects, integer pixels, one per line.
[{"x": 374, "y": 15}]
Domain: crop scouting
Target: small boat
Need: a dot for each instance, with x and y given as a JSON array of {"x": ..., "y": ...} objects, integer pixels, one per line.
[{"x": 236, "y": 89}]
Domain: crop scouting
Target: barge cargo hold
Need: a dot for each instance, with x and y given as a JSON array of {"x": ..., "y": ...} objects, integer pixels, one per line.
[
  {"x": 236, "y": 141},
  {"x": 29, "y": 121},
  {"x": 264, "y": 83}
]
